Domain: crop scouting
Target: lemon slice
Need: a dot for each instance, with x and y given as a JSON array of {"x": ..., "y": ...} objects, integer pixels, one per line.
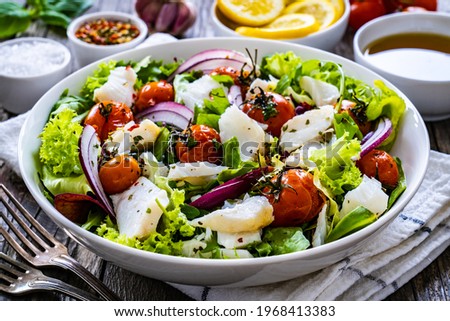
[
  {"x": 251, "y": 12},
  {"x": 339, "y": 7},
  {"x": 288, "y": 26},
  {"x": 323, "y": 10}
]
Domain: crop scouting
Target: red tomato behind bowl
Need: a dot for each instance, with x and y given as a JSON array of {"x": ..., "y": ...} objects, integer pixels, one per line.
[{"x": 362, "y": 11}]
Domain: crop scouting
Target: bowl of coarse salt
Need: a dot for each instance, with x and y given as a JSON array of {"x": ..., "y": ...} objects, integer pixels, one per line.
[{"x": 28, "y": 68}]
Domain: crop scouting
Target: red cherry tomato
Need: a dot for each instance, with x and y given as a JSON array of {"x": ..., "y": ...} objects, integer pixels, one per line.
[
  {"x": 362, "y": 11},
  {"x": 199, "y": 143},
  {"x": 119, "y": 173},
  {"x": 381, "y": 165},
  {"x": 364, "y": 126},
  {"x": 152, "y": 93},
  {"x": 402, "y": 5},
  {"x": 107, "y": 116},
  {"x": 228, "y": 71},
  {"x": 271, "y": 109},
  {"x": 414, "y": 9},
  {"x": 294, "y": 197}
]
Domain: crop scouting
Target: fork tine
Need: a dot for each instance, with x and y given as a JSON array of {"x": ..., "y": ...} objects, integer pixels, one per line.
[
  {"x": 30, "y": 219},
  {"x": 27, "y": 229},
  {"x": 16, "y": 245},
  {"x": 9, "y": 270}
]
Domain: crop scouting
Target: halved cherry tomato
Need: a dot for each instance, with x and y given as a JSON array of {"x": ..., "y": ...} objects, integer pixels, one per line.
[
  {"x": 199, "y": 143},
  {"x": 364, "y": 126},
  {"x": 271, "y": 109},
  {"x": 119, "y": 173},
  {"x": 294, "y": 197},
  {"x": 152, "y": 93},
  {"x": 107, "y": 116},
  {"x": 380, "y": 165},
  {"x": 362, "y": 11},
  {"x": 228, "y": 71}
]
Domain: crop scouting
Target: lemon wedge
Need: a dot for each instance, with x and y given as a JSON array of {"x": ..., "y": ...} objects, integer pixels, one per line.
[
  {"x": 288, "y": 26},
  {"x": 323, "y": 10},
  {"x": 251, "y": 12}
]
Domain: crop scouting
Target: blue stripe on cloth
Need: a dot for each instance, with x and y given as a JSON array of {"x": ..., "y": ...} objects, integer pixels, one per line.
[{"x": 412, "y": 219}]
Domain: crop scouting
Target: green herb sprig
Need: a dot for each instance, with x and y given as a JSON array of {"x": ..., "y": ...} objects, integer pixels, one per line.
[{"x": 16, "y": 18}]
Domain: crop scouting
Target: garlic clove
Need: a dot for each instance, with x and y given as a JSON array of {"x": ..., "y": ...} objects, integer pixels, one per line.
[{"x": 166, "y": 17}]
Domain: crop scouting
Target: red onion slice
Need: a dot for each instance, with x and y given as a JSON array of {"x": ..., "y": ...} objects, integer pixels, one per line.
[
  {"x": 215, "y": 54},
  {"x": 384, "y": 129},
  {"x": 235, "y": 95},
  {"x": 169, "y": 112},
  {"x": 231, "y": 189},
  {"x": 90, "y": 145}
]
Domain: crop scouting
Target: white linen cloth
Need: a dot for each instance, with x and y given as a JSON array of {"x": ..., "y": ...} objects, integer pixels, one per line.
[{"x": 419, "y": 234}]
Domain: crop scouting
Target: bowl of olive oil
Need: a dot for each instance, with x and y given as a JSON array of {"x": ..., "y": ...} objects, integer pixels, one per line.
[{"x": 412, "y": 50}]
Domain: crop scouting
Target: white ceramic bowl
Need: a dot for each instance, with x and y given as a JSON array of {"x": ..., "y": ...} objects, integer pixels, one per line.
[
  {"x": 431, "y": 97},
  {"x": 325, "y": 39},
  {"x": 19, "y": 92},
  {"x": 86, "y": 53},
  {"x": 412, "y": 146}
]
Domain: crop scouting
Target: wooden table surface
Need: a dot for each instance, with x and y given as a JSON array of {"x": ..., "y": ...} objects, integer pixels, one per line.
[{"x": 431, "y": 284}]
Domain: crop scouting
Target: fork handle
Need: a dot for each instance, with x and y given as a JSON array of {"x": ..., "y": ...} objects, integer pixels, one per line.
[
  {"x": 53, "y": 284},
  {"x": 69, "y": 263}
]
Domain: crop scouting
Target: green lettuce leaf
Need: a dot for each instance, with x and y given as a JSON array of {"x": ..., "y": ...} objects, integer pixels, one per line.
[
  {"x": 282, "y": 240},
  {"x": 336, "y": 166},
  {"x": 99, "y": 77},
  {"x": 357, "y": 219},
  {"x": 59, "y": 149},
  {"x": 148, "y": 70},
  {"x": 56, "y": 184},
  {"x": 388, "y": 104},
  {"x": 280, "y": 64}
]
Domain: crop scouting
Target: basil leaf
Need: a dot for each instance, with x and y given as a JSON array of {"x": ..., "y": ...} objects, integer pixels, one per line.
[
  {"x": 55, "y": 18},
  {"x": 70, "y": 8},
  {"x": 13, "y": 19}
]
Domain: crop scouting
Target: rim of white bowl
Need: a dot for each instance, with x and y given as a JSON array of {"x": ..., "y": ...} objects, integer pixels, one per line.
[
  {"x": 120, "y": 16},
  {"x": 311, "y": 253},
  {"x": 378, "y": 22},
  {"x": 65, "y": 63}
]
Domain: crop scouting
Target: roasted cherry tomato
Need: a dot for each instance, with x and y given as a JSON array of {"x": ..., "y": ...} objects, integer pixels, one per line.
[
  {"x": 107, "y": 116},
  {"x": 228, "y": 71},
  {"x": 152, "y": 93},
  {"x": 362, "y": 11},
  {"x": 380, "y": 165},
  {"x": 294, "y": 197},
  {"x": 271, "y": 109},
  {"x": 199, "y": 143},
  {"x": 119, "y": 173},
  {"x": 360, "y": 119}
]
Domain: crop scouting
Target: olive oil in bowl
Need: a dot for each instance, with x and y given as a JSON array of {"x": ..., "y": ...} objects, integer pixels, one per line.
[{"x": 422, "y": 56}]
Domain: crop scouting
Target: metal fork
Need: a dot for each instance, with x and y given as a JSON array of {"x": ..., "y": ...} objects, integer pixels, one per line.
[
  {"x": 20, "y": 278},
  {"x": 51, "y": 251}
]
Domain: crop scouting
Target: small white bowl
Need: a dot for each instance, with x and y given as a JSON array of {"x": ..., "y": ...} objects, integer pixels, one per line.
[
  {"x": 325, "y": 39},
  {"x": 431, "y": 97},
  {"x": 87, "y": 53},
  {"x": 27, "y": 73}
]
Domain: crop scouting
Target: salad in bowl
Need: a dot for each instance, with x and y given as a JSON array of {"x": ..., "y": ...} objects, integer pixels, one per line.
[
  {"x": 221, "y": 155},
  {"x": 207, "y": 177}
]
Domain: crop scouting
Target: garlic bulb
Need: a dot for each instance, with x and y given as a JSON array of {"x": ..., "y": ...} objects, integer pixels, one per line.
[{"x": 171, "y": 16}]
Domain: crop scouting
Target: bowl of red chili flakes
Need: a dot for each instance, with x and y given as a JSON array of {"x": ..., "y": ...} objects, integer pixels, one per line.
[{"x": 98, "y": 35}]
